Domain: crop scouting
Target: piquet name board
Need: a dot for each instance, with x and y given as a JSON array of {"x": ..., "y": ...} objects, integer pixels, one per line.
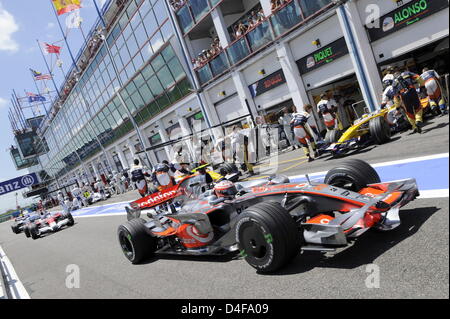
[{"x": 325, "y": 55}]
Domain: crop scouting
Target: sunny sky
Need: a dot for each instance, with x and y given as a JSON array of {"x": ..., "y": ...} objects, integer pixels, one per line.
[{"x": 22, "y": 22}]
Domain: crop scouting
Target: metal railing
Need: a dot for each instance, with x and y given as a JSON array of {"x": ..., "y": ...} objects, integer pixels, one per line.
[{"x": 273, "y": 27}]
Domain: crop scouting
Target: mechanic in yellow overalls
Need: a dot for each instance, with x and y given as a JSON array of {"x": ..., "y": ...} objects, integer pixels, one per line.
[{"x": 406, "y": 96}]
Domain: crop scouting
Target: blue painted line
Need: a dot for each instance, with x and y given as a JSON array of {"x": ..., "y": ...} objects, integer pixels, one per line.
[{"x": 430, "y": 175}]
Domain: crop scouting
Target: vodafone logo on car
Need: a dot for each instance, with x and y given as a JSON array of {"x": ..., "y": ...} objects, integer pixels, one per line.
[{"x": 161, "y": 197}]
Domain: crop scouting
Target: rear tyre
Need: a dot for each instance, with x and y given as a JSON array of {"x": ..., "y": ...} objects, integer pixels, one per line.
[
  {"x": 26, "y": 230},
  {"x": 228, "y": 168},
  {"x": 353, "y": 175},
  {"x": 333, "y": 136},
  {"x": 380, "y": 130},
  {"x": 267, "y": 236},
  {"x": 137, "y": 245},
  {"x": 15, "y": 229},
  {"x": 34, "y": 233},
  {"x": 71, "y": 220}
]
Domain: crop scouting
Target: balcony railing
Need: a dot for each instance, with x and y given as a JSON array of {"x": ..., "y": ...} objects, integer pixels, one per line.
[
  {"x": 193, "y": 11},
  {"x": 279, "y": 23}
]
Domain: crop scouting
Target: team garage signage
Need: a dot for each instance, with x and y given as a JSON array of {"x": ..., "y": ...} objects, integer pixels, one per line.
[
  {"x": 323, "y": 56},
  {"x": 18, "y": 183},
  {"x": 404, "y": 16},
  {"x": 268, "y": 83}
]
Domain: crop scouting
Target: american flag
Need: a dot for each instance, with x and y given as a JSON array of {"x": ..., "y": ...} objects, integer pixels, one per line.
[{"x": 39, "y": 76}]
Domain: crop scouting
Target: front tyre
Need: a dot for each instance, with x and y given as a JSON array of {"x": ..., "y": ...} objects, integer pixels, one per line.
[
  {"x": 267, "y": 236},
  {"x": 380, "y": 130},
  {"x": 34, "y": 232},
  {"x": 26, "y": 230},
  {"x": 353, "y": 175},
  {"x": 137, "y": 245},
  {"x": 71, "y": 221}
]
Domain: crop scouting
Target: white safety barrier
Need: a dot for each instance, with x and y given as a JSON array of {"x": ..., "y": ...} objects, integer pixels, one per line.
[{"x": 11, "y": 286}]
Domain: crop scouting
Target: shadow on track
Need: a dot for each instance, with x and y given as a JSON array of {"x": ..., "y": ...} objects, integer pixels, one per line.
[{"x": 366, "y": 249}]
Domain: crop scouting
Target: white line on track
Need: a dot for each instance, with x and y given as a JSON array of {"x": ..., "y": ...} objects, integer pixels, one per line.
[
  {"x": 404, "y": 161},
  {"x": 435, "y": 193},
  {"x": 18, "y": 291},
  {"x": 438, "y": 193}
]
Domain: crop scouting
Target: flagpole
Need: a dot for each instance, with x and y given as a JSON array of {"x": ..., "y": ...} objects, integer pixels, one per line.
[
  {"x": 82, "y": 96},
  {"x": 119, "y": 95},
  {"x": 59, "y": 95},
  {"x": 19, "y": 109},
  {"x": 37, "y": 88},
  {"x": 48, "y": 69},
  {"x": 64, "y": 35}
]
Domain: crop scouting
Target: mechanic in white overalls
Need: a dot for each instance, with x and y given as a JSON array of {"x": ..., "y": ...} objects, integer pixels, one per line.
[
  {"x": 434, "y": 89},
  {"x": 100, "y": 187},
  {"x": 117, "y": 177},
  {"x": 285, "y": 121},
  {"x": 77, "y": 194},
  {"x": 61, "y": 201}
]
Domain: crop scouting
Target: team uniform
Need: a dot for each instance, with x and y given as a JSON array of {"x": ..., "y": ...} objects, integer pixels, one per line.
[
  {"x": 303, "y": 132},
  {"x": 434, "y": 90},
  {"x": 325, "y": 107},
  {"x": 404, "y": 87},
  {"x": 138, "y": 174}
]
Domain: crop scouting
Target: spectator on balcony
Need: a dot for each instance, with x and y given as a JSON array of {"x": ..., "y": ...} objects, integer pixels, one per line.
[{"x": 241, "y": 29}]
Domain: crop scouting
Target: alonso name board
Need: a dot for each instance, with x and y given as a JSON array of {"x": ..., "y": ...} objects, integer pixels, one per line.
[
  {"x": 18, "y": 183},
  {"x": 403, "y": 17},
  {"x": 321, "y": 57}
]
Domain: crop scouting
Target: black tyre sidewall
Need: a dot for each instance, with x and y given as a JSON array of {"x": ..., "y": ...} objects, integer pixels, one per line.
[
  {"x": 357, "y": 171},
  {"x": 143, "y": 245},
  {"x": 380, "y": 130},
  {"x": 284, "y": 243}
]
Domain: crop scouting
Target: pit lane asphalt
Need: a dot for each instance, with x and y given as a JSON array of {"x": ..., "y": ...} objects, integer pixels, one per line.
[{"x": 413, "y": 260}]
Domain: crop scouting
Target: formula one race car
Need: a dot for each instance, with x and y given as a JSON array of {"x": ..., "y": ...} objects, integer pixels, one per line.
[
  {"x": 375, "y": 127},
  {"x": 21, "y": 222},
  {"x": 50, "y": 222},
  {"x": 269, "y": 221}
]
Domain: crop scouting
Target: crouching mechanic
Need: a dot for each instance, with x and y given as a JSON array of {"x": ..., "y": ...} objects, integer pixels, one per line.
[
  {"x": 404, "y": 88},
  {"x": 434, "y": 90},
  {"x": 138, "y": 174},
  {"x": 304, "y": 134},
  {"x": 161, "y": 177}
]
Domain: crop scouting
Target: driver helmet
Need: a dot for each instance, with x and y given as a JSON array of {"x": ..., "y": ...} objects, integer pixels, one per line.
[{"x": 225, "y": 189}]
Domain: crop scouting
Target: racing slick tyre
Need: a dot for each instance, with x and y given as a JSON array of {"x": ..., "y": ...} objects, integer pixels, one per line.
[
  {"x": 137, "y": 245},
  {"x": 227, "y": 168},
  {"x": 333, "y": 136},
  {"x": 15, "y": 229},
  {"x": 71, "y": 221},
  {"x": 353, "y": 175},
  {"x": 26, "y": 231},
  {"x": 380, "y": 130},
  {"x": 33, "y": 228},
  {"x": 267, "y": 236}
]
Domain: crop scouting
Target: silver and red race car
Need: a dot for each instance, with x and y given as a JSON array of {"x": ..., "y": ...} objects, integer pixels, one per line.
[
  {"x": 49, "y": 222},
  {"x": 268, "y": 221}
]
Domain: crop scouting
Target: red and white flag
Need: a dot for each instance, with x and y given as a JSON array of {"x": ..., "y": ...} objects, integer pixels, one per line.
[{"x": 49, "y": 48}]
